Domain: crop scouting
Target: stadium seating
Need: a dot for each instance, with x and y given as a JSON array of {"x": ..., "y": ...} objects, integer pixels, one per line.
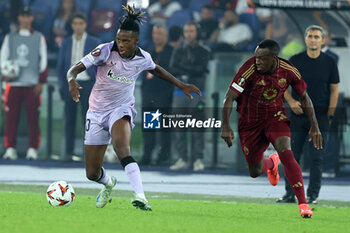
[
  {"x": 219, "y": 13},
  {"x": 83, "y": 6},
  {"x": 44, "y": 14},
  {"x": 103, "y": 24},
  {"x": 104, "y": 18},
  {"x": 184, "y": 3},
  {"x": 3, "y": 4},
  {"x": 180, "y": 18},
  {"x": 27, "y": 2},
  {"x": 197, "y": 5},
  {"x": 53, "y": 3},
  {"x": 115, "y": 5},
  {"x": 252, "y": 20},
  {"x": 145, "y": 39}
]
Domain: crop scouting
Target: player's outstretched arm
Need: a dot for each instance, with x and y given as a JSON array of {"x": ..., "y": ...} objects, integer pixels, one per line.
[
  {"x": 226, "y": 132},
  {"x": 73, "y": 85},
  {"x": 165, "y": 75},
  {"x": 314, "y": 133}
]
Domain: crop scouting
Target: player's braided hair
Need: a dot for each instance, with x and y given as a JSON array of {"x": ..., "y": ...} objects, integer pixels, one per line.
[{"x": 129, "y": 20}]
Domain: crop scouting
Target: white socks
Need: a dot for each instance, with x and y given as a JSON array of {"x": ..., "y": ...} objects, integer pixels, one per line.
[{"x": 132, "y": 170}]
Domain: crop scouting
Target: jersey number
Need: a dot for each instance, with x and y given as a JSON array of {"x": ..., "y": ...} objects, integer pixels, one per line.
[{"x": 87, "y": 126}]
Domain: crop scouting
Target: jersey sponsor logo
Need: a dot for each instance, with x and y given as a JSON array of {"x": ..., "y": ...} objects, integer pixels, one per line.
[
  {"x": 261, "y": 83},
  {"x": 270, "y": 93},
  {"x": 119, "y": 79},
  {"x": 96, "y": 52},
  {"x": 282, "y": 82},
  {"x": 266, "y": 101}
]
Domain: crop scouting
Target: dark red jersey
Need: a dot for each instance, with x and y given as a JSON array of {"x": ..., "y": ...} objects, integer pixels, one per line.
[{"x": 261, "y": 95}]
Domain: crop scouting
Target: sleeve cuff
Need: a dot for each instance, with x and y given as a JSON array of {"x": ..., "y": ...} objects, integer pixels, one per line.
[
  {"x": 87, "y": 61},
  {"x": 43, "y": 76}
]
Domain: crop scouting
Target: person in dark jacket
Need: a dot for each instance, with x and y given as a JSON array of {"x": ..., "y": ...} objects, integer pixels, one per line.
[
  {"x": 72, "y": 50},
  {"x": 189, "y": 62},
  {"x": 157, "y": 93}
]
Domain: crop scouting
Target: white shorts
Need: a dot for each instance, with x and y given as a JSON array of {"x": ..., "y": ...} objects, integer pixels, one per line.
[{"x": 98, "y": 125}]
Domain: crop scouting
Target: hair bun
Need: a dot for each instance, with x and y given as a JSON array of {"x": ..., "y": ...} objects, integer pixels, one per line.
[{"x": 133, "y": 15}]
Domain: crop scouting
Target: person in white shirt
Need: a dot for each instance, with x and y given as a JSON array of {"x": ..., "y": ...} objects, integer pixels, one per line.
[
  {"x": 161, "y": 11},
  {"x": 231, "y": 31},
  {"x": 28, "y": 49}
]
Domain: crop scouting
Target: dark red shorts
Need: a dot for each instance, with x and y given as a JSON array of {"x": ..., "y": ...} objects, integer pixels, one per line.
[{"x": 256, "y": 137}]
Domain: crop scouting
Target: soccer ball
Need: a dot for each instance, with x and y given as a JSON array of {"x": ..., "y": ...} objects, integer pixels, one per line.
[
  {"x": 60, "y": 193},
  {"x": 10, "y": 69}
]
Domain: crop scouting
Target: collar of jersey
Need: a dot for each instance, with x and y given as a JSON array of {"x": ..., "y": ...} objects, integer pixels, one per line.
[{"x": 137, "y": 52}]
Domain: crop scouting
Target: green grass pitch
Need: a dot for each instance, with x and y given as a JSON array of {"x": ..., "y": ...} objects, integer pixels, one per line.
[{"x": 24, "y": 209}]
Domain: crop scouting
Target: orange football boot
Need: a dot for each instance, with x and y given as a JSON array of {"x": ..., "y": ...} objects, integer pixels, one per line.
[
  {"x": 305, "y": 211},
  {"x": 272, "y": 174}
]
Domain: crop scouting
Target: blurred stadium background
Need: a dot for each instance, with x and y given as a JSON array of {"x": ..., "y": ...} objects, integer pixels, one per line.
[{"x": 287, "y": 18}]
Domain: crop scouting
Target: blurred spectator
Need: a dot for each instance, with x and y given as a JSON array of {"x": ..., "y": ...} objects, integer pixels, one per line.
[
  {"x": 189, "y": 62},
  {"x": 285, "y": 32},
  {"x": 224, "y": 4},
  {"x": 281, "y": 27},
  {"x": 9, "y": 17},
  {"x": 318, "y": 17},
  {"x": 332, "y": 151},
  {"x": 230, "y": 33},
  {"x": 162, "y": 10},
  {"x": 62, "y": 23},
  {"x": 28, "y": 48},
  {"x": 243, "y": 7},
  {"x": 264, "y": 14},
  {"x": 72, "y": 50},
  {"x": 327, "y": 50},
  {"x": 175, "y": 36},
  {"x": 265, "y": 19},
  {"x": 293, "y": 45},
  {"x": 208, "y": 23},
  {"x": 157, "y": 93}
]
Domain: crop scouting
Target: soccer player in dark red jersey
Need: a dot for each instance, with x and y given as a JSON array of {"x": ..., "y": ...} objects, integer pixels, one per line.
[{"x": 258, "y": 88}]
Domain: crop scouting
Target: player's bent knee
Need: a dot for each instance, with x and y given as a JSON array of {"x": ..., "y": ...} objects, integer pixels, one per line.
[{"x": 92, "y": 175}]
